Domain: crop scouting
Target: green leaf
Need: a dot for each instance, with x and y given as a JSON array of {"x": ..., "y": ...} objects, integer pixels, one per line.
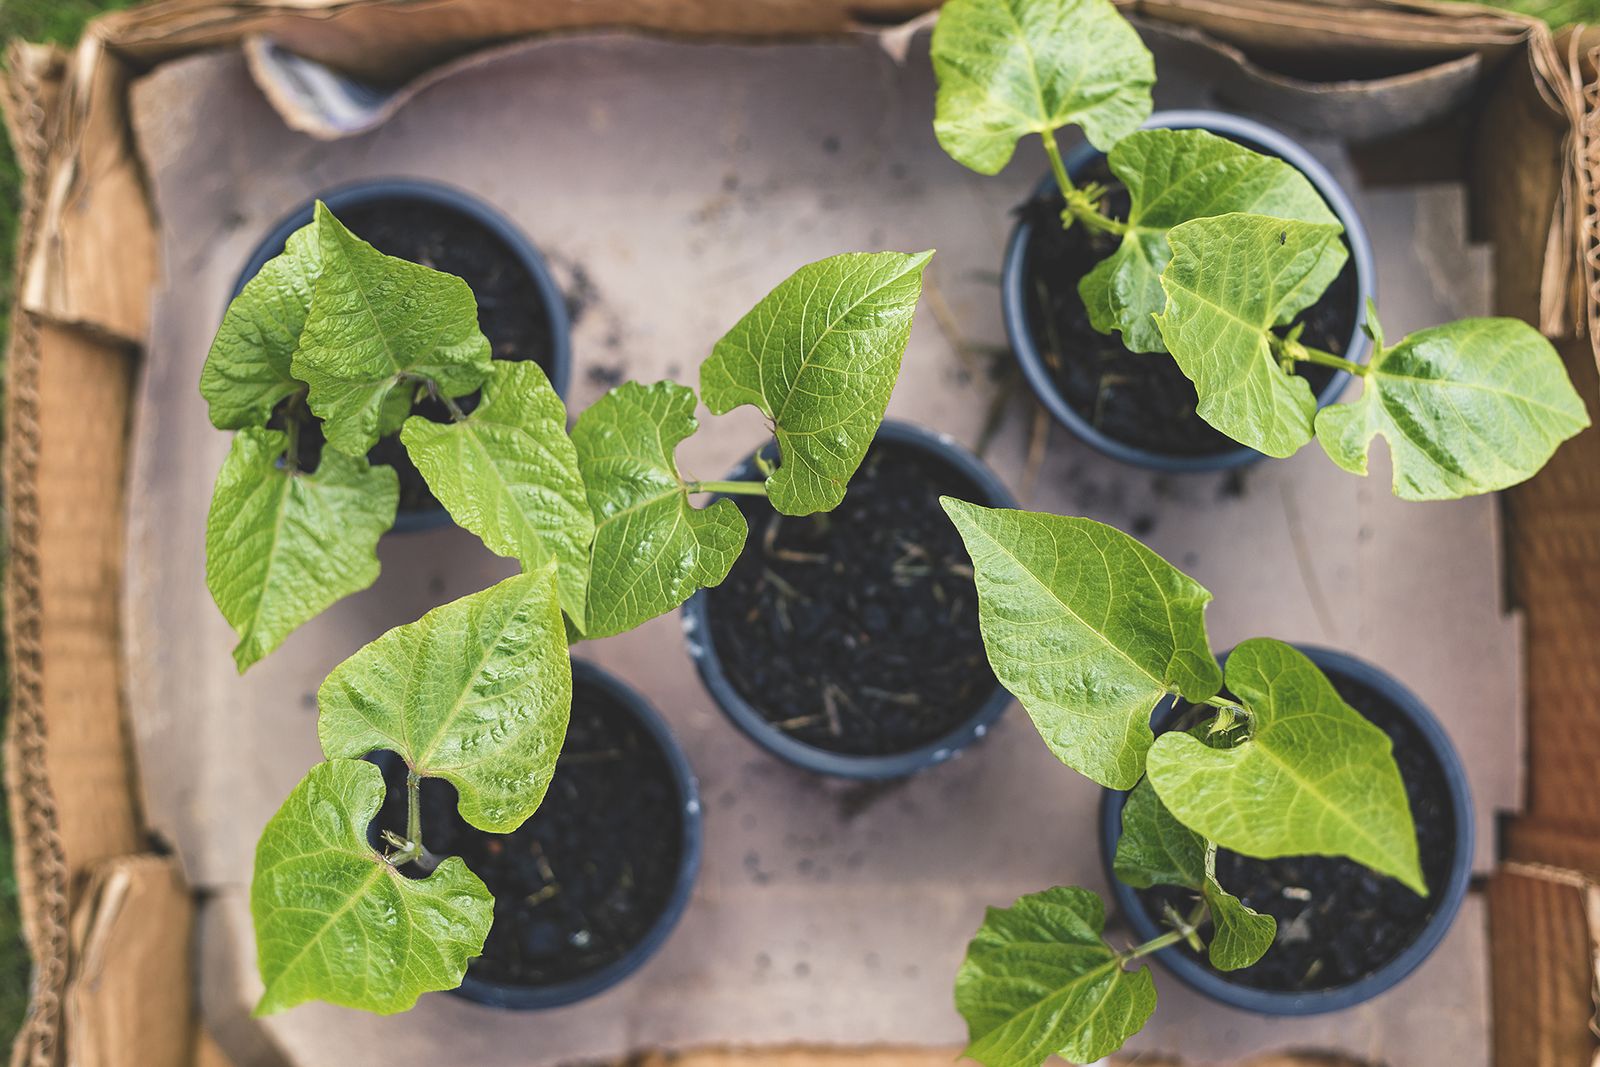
[
  {"x": 509, "y": 473},
  {"x": 1039, "y": 980},
  {"x": 1239, "y": 935},
  {"x": 377, "y": 326},
  {"x": 335, "y": 922},
  {"x": 1008, "y": 68},
  {"x": 1313, "y": 777},
  {"x": 476, "y": 692},
  {"x": 247, "y": 372},
  {"x": 1155, "y": 848},
  {"x": 1469, "y": 407},
  {"x": 652, "y": 548},
  {"x": 1174, "y": 176},
  {"x": 1231, "y": 280},
  {"x": 819, "y": 356},
  {"x": 281, "y": 546},
  {"x": 1088, "y": 629}
]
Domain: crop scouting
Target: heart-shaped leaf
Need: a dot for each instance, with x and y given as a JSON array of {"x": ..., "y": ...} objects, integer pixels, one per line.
[
  {"x": 1469, "y": 407},
  {"x": 509, "y": 473},
  {"x": 335, "y": 922},
  {"x": 1039, "y": 980},
  {"x": 819, "y": 356},
  {"x": 377, "y": 327},
  {"x": 282, "y": 545},
  {"x": 1008, "y": 68},
  {"x": 1230, "y": 281},
  {"x": 476, "y": 692},
  {"x": 652, "y": 548},
  {"x": 1088, "y": 629},
  {"x": 1313, "y": 777},
  {"x": 248, "y": 370},
  {"x": 1173, "y": 176},
  {"x": 1239, "y": 935}
]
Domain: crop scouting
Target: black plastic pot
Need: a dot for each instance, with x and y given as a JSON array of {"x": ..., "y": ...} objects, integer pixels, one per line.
[
  {"x": 986, "y": 489},
  {"x": 1253, "y": 135},
  {"x": 413, "y": 191},
  {"x": 1195, "y": 973},
  {"x": 532, "y": 998},
  {"x": 522, "y": 997}
]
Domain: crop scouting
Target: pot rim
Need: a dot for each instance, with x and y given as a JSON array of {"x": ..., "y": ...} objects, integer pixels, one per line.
[
  {"x": 1014, "y": 309},
  {"x": 539, "y": 997},
  {"x": 1198, "y": 976},
  {"x": 702, "y": 649},
  {"x": 369, "y": 190}
]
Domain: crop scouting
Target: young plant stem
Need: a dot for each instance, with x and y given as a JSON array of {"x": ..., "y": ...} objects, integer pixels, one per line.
[
  {"x": 1288, "y": 348},
  {"x": 414, "y": 810},
  {"x": 729, "y": 488},
  {"x": 1171, "y": 937},
  {"x": 1083, "y": 204}
]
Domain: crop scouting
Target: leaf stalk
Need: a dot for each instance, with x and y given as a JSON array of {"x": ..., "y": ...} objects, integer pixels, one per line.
[{"x": 729, "y": 488}]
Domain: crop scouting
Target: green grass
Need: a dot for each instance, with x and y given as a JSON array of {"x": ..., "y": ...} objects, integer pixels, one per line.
[
  {"x": 1557, "y": 13},
  {"x": 60, "y": 21}
]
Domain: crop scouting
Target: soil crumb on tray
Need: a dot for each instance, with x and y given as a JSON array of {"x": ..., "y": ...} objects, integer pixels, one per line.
[
  {"x": 587, "y": 876},
  {"x": 1140, "y": 399},
  {"x": 857, "y": 631},
  {"x": 1338, "y": 921}
]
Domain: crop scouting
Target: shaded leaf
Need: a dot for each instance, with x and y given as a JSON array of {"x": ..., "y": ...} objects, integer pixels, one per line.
[
  {"x": 1173, "y": 176},
  {"x": 377, "y": 325},
  {"x": 335, "y": 922},
  {"x": 1313, "y": 777},
  {"x": 1469, "y": 407},
  {"x": 1008, "y": 68},
  {"x": 1155, "y": 848},
  {"x": 652, "y": 548},
  {"x": 819, "y": 356},
  {"x": 247, "y": 372},
  {"x": 1088, "y": 629},
  {"x": 509, "y": 473},
  {"x": 281, "y": 546},
  {"x": 1039, "y": 980},
  {"x": 1231, "y": 280},
  {"x": 476, "y": 692}
]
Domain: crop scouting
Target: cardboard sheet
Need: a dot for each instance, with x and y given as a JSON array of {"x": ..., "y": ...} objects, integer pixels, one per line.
[{"x": 670, "y": 185}]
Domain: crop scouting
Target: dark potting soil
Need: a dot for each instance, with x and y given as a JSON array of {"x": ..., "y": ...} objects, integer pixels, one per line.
[
  {"x": 587, "y": 876},
  {"x": 1139, "y": 399},
  {"x": 510, "y": 313},
  {"x": 857, "y": 631},
  {"x": 1338, "y": 921}
]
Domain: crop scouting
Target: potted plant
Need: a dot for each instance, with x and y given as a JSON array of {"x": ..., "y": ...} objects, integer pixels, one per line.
[
  {"x": 479, "y": 692},
  {"x": 1266, "y": 760},
  {"x": 847, "y": 643},
  {"x": 590, "y": 887},
  {"x": 521, "y": 310},
  {"x": 1166, "y": 240},
  {"x": 1348, "y": 935}
]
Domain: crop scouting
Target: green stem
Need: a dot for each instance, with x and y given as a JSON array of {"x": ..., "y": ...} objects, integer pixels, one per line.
[
  {"x": 1171, "y": 937},
  {"x": 1058, "y": 167},
  {"x": 1083, "y": 204},
  {"x": 1328, "y": 359},
  {"x": 414, "y": 810},
  {"x": 1155, "y": 944},
  {"x": 729, "y": 488}
]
